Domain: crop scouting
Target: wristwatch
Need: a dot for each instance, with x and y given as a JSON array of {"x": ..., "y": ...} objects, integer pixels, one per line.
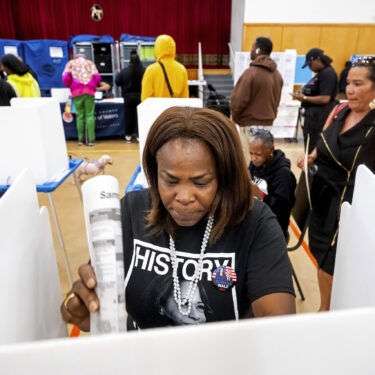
[{"x": 304, "y": 98}]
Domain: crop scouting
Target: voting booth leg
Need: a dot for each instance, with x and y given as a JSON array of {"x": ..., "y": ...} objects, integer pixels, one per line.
[
  {"x": 297, "y": 283},
  {"x": 65, "y": 257}
]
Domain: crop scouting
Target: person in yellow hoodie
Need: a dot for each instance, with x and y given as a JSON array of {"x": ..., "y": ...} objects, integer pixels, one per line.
[
  {"x": 154, "y": 83},
  {"x": 18, "y": 76}
]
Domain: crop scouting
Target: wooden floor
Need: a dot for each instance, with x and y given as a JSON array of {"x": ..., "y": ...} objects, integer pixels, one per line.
[{"x": 125, "y": 160}]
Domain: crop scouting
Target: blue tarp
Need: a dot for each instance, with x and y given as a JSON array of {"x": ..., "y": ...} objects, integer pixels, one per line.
[
  {"x": 136, "y": 38},
  {"x": 48, "y": 59},
  {"x": 13, "y": 43},
  {"x": 90, "y": 38}
]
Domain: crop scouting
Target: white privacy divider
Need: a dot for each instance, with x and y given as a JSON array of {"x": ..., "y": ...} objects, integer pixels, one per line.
[
  {"x": 151, "y": 108},
  {"x": 32, "y": 136},
  {"x": 338, "y": 342},
  {"x": 61, "y": 94},
  {"x": 354, "y": 277},
  {"x": 30, "y": 292}
]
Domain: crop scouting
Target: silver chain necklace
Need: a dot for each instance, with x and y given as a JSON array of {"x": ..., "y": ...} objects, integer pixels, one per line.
[{"x": 182, "y": 302}]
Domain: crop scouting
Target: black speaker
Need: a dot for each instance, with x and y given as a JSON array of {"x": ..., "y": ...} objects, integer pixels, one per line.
[
  {"x": 103, "y": 63},
  {"x": 102, "y": 49}
]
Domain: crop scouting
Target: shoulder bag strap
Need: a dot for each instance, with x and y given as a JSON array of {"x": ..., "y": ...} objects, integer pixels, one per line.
[{"x": 166, "y": 79}]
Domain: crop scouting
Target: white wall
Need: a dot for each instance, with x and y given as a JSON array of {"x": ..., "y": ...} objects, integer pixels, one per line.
[
  {"x": 317, "y": 11},
  {"x": 236, "y": 24}
]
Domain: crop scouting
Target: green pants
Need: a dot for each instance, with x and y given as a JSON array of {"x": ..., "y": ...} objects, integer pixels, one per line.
[{"x": 85, "y": 107}]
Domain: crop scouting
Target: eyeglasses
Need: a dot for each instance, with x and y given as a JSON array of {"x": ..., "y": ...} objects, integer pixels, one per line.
[{"x": 364, "y": 61}]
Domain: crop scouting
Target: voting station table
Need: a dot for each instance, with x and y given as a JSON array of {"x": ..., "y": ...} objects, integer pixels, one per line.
[
  {"x": 49, "y": 187},
  {"x": 109, "y": 120}
]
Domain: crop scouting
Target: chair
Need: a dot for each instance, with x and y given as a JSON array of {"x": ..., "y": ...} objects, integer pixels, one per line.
[{"x": 301, "y": 213}]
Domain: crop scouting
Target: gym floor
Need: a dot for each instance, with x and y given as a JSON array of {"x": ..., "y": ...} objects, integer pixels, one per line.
[{"x": 125, "y": 160}]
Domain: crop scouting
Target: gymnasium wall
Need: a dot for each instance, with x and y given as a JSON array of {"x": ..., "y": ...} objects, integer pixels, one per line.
[{"x": 339, "y": 41}]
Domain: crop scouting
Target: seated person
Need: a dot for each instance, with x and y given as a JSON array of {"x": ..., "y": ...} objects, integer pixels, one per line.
[
  {"x": 270, "y": 172},
  {"x": 197, "y": 217}
]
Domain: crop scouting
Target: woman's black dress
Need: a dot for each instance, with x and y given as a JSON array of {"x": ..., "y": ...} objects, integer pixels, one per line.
[{"x": 350, "y": 149}]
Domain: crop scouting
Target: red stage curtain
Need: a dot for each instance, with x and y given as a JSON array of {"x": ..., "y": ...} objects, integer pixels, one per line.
[
  {"x": 187, "y": 21},
  {"x": 7, "y": 29}
]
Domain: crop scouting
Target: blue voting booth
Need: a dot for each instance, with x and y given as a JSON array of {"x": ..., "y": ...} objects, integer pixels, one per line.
[
  {"x": 11, "y": 46},
  {"x": 48, "y": 59},
  {"x": 90, "y": 38}
]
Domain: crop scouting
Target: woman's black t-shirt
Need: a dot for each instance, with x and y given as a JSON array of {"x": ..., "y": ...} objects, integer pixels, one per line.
[{"x": 254, "y": 249}]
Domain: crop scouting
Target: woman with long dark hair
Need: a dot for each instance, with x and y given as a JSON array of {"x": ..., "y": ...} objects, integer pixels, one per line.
[
  {"x": 130, "y": 79},
  {"x": 19, "y": 77}
]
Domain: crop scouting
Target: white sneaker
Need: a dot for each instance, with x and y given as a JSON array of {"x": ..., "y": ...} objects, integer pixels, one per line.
[{"x": 128, "y": 139}]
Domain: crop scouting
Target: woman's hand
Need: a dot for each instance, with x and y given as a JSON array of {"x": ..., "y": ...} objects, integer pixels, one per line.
[
  {"x": 81, "y": 300},
  {"x": 310, "y": 159},
  {"x": 256, "y": 191},
  {"x": 298, "y": 96}
]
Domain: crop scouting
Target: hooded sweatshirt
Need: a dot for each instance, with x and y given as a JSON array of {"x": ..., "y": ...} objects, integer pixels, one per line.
[
  {"x": 24, "y": 86},
  {"x": 278, "y": 183},
  {"x": 257, "y": 93},
  {"x": 81, "y": 76},
  {"x": 154, "y": 83}
]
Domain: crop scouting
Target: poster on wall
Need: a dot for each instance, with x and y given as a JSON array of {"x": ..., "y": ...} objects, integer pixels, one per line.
[{"x": 241, "y": 63}]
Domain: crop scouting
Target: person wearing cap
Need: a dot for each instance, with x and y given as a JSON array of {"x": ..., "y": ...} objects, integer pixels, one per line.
[{"x": 318, "y": 95}]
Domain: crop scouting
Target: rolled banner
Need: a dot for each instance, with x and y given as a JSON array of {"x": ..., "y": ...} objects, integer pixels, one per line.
[{"x": 101, "y": 206}]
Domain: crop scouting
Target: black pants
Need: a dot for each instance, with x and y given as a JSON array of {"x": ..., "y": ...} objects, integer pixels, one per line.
[{"x": 131, "y": 100}]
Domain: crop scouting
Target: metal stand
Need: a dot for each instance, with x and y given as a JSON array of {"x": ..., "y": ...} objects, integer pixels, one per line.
[{"x": 61, "y": 241}]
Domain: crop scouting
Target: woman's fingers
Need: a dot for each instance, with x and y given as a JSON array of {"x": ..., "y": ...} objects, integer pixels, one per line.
[
  {"x": 87, "y": 275},
  {"x": 82, "y": 299},
  {"x": 86, "y": 296}
]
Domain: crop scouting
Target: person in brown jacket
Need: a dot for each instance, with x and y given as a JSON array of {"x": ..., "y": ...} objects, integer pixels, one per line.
[{"x": 256, "y": 96}]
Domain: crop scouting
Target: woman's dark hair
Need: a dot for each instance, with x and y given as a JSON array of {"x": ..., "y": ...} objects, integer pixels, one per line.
[
  {"x": 14, "y": 64},
  {"x": 233, "y": 199},
  {"x": 262, "y": 134},
  {"x": 264, "y": 44},
  {"x": 135, "y": 64},
  {"x": 369, "y": 63}
]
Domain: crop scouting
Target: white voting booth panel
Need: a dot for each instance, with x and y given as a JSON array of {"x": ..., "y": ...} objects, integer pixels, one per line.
[
  {"x": 353, "y": 284},
  {"x": 32, "y": 136},
  {"x": 340, "y": 342},
  {"x": 30, "y": 292},
  {"x": 61, "y": 94},
  {"x": 151, "y": 108}
]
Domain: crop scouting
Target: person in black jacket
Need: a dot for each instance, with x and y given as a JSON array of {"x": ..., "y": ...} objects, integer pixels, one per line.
[
  {"x": 130, "y": 79},
  {"x": 273, "y": 181}
]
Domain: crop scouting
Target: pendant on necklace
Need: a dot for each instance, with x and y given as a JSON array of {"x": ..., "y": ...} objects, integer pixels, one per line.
[{"x": 224, "y": 278}]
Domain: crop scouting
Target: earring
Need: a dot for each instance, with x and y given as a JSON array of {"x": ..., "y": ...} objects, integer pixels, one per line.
[
  {"x": 372, "y": 105},
  {"x": 257, "y": 51}
]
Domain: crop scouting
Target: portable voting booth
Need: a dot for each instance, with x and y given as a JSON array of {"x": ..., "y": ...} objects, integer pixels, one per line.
[
  {"x": 355, "y": 257},
  {"x": 30, "y": 288},
  {"x": 14, "y": 47},
  {"x": 32, "y": 136},
  {"x": 338, "y": 342},
  {"x": 48, "y": 59}
]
